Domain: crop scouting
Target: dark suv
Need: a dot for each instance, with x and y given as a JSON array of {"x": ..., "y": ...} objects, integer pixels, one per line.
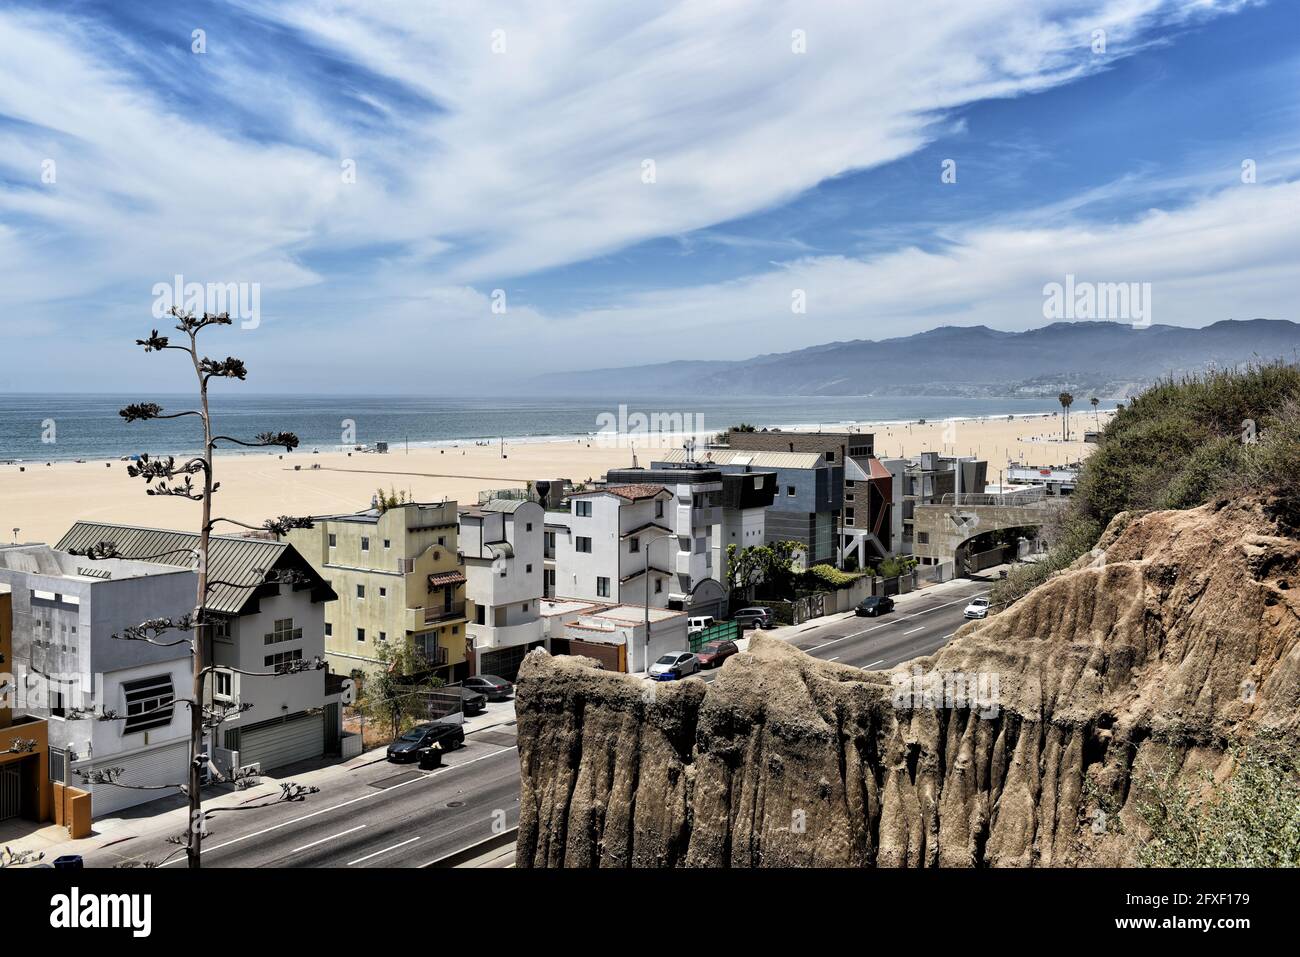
[
  {"x": 754, "y": 618},
  {"x": 448, "y": 736}
]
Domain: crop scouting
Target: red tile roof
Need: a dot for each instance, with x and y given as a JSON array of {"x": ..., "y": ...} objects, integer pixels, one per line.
[{"x": 630, "y": 493}]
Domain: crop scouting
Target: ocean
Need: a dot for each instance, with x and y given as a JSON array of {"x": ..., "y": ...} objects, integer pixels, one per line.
[{"x": 50, "y": 427}]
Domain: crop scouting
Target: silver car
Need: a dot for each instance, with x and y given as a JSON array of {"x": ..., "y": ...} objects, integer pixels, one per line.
[{"x": 679, "y": 664}]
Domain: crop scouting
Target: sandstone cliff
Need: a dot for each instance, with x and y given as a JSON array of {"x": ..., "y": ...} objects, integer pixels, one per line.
[{"x": 1018, "y": 744}]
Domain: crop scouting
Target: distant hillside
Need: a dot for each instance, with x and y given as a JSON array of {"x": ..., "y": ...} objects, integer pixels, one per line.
[{"x": 1108, "y": 359}]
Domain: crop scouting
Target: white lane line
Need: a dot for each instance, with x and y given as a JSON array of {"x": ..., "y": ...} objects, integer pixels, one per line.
[
  {"x": 894, "y": 622},
  {"x": 384, "y": 851},
  {"x": 915, "y": 630},
  {"x": 836, "y": 658},
  {"x": 946, "y": 637},
  {"x": 364, "y": 797},
  {"x": 325, "y": 840},
  {"x": 873, "y": 664}
]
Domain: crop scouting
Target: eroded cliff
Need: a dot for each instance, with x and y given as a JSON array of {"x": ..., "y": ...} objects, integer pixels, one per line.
[{"x": 1018, "y": 744}]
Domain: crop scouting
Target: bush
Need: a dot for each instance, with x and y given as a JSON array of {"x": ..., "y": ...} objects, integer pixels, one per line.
[
  {"x": 828, "y": 576},
  {"x": 1251, "y": 820}
]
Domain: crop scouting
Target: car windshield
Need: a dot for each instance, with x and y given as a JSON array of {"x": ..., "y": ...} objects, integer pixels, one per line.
[
  {"x": 415, "y": 734},
  {"x": 980, "y": 601},
  {"x": 711, "y": 647},
  {"x": 667, "y": 659}
]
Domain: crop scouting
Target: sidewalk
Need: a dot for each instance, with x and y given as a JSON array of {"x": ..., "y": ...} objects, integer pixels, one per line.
[{"x": 169, "y": 815}]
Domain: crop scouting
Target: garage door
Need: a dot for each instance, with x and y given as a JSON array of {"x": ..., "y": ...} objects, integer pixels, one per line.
[
  {"x": 276, "y": 743},
  {"x": 165, "y": 765}
]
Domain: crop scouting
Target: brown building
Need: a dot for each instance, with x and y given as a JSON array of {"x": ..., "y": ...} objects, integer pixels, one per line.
[{"x": 24, "y": 745}]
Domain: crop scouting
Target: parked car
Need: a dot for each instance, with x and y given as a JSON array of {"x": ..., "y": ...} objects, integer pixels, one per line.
[
  {"x": 754, "y": 618},
  {"x": 874, "y": 605},
  {"x": 408, "y": 747},
  {"x": 695, "y": 625},
  {"x": 471, "y": 701},
  {"x": 494, "y": 688},
  {"x": 978, "y": 608},
  {"x": 679, "y": 664},
  {"x": 714, "y": 653}
]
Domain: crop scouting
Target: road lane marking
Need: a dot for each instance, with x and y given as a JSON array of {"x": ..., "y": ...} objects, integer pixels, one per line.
[
  {"x": 384, "y": 851},
  {"x": 836, "y": 658},
  {"x": 872, "y": 665},
  {"x": 325, "y": 840},
  {"x": 893, "y": 621},
  {"x": 915, "y": 630},
  {"x": 325, "y": 810}
]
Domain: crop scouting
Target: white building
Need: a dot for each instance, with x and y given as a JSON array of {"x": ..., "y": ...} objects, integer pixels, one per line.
[
  {"x": 615, "y": 635},
  {"x": 261, "y": 628},
  {"x": 501, "y": 545},
  {"x": 69, "y": 666}
]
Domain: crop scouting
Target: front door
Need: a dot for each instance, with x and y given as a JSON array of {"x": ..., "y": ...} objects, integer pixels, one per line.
[{"x": 11, "y": 795}]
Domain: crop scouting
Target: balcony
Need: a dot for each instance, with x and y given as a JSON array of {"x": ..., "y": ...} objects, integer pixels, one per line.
[
  {"x": 418, "y": 619},
  {"x": 487, "y": 637}
]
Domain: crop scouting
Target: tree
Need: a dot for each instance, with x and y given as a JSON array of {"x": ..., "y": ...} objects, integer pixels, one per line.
[
  {"x": 1096, "y": 418},
  {"x": 168, "y": 477},
  {"x": 771, "y": 565},
  {"x": 1066, "y": 401},
  {"x": 400, "y": 687}
]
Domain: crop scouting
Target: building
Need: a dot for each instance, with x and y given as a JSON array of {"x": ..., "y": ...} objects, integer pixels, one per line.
[
  {"x": 502, "y": 552},
  {"x": 398, "y": 577},
  {"x": 602, "y": 548},
  {"x": 925, "y": 480},
  {"x": 806, "y": 502},
  {"x": 616, "y": 635},
  {"x": 259, "y": 627},
  {"x": 866, "y": 526},
  {"x": 69, "y": 668},
  {"x": 1057, "y": 480},
  {"x": 25, "y": 790},
  {"x": 722, "y": 509}
]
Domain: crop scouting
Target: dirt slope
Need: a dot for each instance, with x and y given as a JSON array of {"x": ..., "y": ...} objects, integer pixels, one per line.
[{"x": 1015, "y": 745}]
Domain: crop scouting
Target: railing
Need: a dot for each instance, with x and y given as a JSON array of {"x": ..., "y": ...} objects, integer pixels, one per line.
[
  {"x": 1027, "y": 497},
  {"x": 444, "y": 613}
]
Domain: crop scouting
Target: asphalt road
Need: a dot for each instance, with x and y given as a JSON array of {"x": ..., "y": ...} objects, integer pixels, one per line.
[{"x": 386, "y": 815}]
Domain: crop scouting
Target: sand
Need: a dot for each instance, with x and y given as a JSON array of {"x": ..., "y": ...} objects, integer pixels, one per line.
[{"x": 43, "y": 501}]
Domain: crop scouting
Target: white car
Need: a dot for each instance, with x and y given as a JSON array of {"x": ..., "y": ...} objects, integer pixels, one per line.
[
  {"x": 696, "y": 625},
  {"x": 978, "y": 608},
  {"x": 679, "y": 664}
]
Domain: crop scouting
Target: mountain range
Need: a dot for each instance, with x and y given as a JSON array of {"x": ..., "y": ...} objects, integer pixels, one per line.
[{"x": 1109, "y": 359}]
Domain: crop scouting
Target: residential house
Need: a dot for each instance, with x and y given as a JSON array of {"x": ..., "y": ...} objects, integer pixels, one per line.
[
  {"x": 616, "y": 635},
  {"x": 397, "y": 575},
  {"x": 501, "y": 549},
  {"x": 260, "y": 628},
  {"x": 68, "y": 666},
  {"x": 925, "y": 480}
]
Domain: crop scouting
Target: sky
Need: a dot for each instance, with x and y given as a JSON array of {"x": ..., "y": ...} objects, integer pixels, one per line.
[{"x": 435, "y": 197}]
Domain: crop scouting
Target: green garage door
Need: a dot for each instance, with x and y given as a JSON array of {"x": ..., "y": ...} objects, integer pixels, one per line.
[{"x": 273, "y": 744}]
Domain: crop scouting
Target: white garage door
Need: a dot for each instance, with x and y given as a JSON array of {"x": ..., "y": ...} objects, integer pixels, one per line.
[
  {"x": 277, "y": 743},
  {"x": 164, "y": 765}
]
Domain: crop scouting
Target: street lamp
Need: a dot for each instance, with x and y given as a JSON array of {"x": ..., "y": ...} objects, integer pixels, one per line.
[{"x": 645, "y": 646}]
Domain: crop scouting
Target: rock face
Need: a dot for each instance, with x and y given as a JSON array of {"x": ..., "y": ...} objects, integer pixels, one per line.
[{"x": 1018, "y": 744}]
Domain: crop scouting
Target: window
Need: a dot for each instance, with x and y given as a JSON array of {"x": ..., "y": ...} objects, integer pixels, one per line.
[
  {"x": 789, "y": 490},
  {"x": 634, "y": 545},
  {"x": 524, "y": 607},
  {"x": 528, "y": 569},
  {"x": 659, "y": 508},
  {"x": 582, "y": 544},
  {"x": 659, "y": 585},
  {"x": 848, "y": 516},
  {"x": 442, "y": 540},
  {"x": 283, "y": 631},
  {"x": 361, "y": 591},
  {"x": 149, "y": 703},
  {"x": 528, "y": 527},
  {"x": 848, "y": 483},
  {"x": 365, "y": 544},
  {"x": 602, "y": 587},
  {"x": 225, "y": 684},
  {"x": 282, "y": 658},
  {"x": 361, "y": 634},
  {"x": 334, "y": 540},
  {"x": 582, "y": 508},
  {"x": 383, "y": 593},
  {"x": 830, "y": 456},
  {"x": 220, "y": 628},
  {"x": 923, "y": 538},
  {"x": 388, "y": 543},
  {"x": 383, "y": 636},
  {"x": 329, "y": 630}
]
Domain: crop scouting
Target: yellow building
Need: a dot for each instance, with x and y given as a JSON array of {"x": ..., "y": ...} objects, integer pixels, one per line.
[{"x": 397, "y": 576}]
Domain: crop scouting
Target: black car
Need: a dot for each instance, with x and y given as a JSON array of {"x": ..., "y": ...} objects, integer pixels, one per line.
[
  {"x": 494, "y": 688},
  {"x": 471, "y": 701},
  {"x": 875, "y": 605},
  {"x": 448, "y": 736}
]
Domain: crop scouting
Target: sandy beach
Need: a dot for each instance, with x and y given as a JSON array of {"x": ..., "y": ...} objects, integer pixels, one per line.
[{"x": 43, "y": 501}]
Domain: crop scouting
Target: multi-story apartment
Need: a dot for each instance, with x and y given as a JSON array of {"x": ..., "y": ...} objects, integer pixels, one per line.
[
  {"x": 925, "y": 480},
  {"x": 68, "y": 668},
  {"x": 24, "y": 739},
  {"x": 501, "y": 548},
  {"x": 712, "y": 507},
  {"x": 398, "y": 578},
  {"x": 604, "y": 547},
  {"x": 807, "y": 499},
  {"x": 261, "y": 626}
]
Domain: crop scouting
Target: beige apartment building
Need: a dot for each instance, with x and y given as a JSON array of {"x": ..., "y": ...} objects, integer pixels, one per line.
[{"x": 398, "y": 578}]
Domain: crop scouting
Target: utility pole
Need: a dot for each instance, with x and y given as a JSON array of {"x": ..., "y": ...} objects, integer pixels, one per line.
[{"x": 645, "y": 644}]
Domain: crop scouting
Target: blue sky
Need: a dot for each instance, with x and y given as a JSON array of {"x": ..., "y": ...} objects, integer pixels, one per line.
[{"x": 499, "y": 151}]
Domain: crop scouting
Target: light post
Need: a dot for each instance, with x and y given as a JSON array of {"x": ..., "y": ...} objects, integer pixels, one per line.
[{"x": 645, "y": 644}]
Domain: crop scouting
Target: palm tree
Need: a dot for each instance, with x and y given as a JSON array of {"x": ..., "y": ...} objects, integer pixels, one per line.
[
  {"x": 1066, "y": 401},
  {"x": 1096, "y": 418}
]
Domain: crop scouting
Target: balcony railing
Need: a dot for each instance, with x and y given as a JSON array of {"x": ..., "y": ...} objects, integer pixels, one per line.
[{"x": 444, "y": 612}]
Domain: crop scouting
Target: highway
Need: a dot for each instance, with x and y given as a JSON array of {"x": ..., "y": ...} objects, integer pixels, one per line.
[{"x": 377, "y": 814}]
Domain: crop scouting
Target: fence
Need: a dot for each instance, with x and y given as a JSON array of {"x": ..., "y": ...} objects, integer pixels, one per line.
[{"x": 722, "y": 631}]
